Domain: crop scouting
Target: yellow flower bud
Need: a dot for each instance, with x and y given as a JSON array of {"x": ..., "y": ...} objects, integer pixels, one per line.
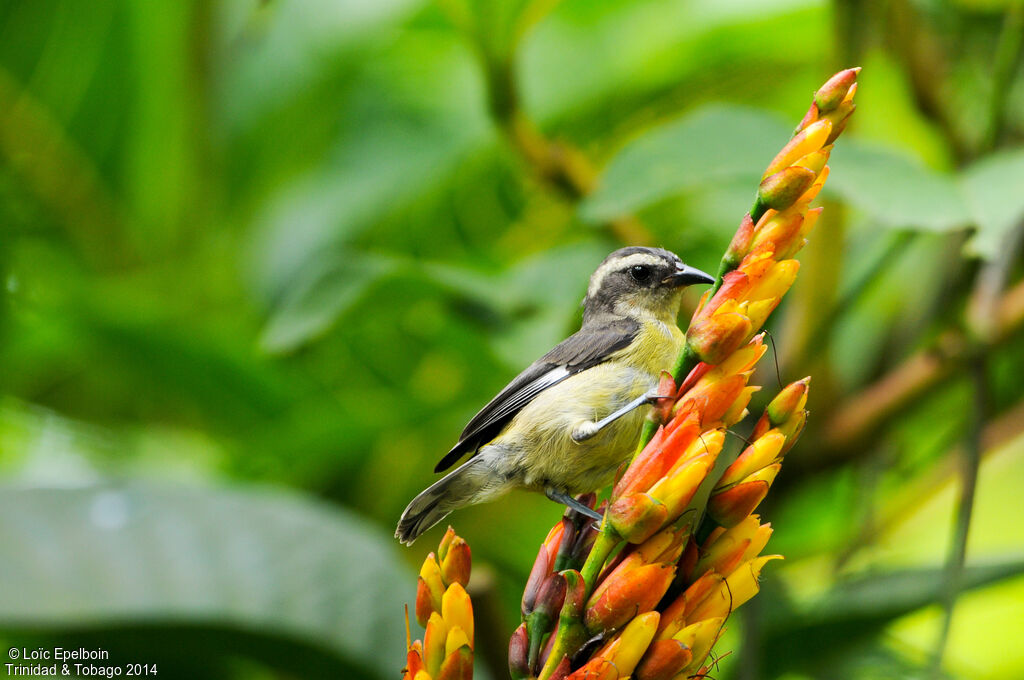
[
  {"x": 634, "y": 641},
  {"x": 457, "y": 610},
  {"x": 739, "y": 587},
  {"x": 808, "y": 140},
  {"x": 434, "y": 641},
  {"x": 763, "y": 452}
]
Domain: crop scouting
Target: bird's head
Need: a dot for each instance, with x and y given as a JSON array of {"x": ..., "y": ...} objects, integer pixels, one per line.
[{"x": 640, "y": 282}]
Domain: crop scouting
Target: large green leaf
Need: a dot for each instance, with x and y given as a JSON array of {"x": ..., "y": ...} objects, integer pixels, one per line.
[
  {"x": 894, "y": 189},
  {"x": 711, "y": 144},
  {"x": 272, "y": 52},
  {"x": 121, "y": 558},
  {"x": 320, "y": 295},
  {"x": 390, "y": 150},
  {"x": 994, "y": 188},
  {"x": 535, "y": 320},
  {"x": 857, "y": 611}
]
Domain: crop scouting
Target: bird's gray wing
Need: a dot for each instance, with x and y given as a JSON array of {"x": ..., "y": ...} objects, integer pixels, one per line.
[{"x": 580, "y": 351}]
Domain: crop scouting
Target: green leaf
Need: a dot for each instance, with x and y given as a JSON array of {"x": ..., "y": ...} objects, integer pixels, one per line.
[
  {"x": 319, "y": 297},
  {"x": 857, "y": 610},
  {"x": 125, "y": 557},
  {"x": 894, "y": 189},
  {"x": 536, "y": 296},
  {"x": 994, "y": 188},
  {"x": 543, "y": 320},
  {"x": 898, "y": 592},
  {"x": 390, "y": 151},
  {"x": 712, "y": 144},
  {"x": 274, "y": 51}
]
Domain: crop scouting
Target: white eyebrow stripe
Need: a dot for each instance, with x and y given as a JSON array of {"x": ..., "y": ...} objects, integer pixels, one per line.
[{"x": 619, "y": 264}]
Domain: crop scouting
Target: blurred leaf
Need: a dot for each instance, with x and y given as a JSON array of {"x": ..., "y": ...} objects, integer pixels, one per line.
[
  {"x": 165, "y": 113},
  {"x": 542, "y": 319},
  {"x": 994, "y": 187},
  {"x": 894, "y": 593},
  {"x": 271, "y": 51},
  {"x": 537, "y": 296},
  {"x": 311, "y": 219},
  {"x": 400, "y": 136},
  {"x": 713, "y": 144},
  {"x": 258, "y": 560},
  {"x": 859, "y": 609},
  {"x": 622, "y": 58},
  {"x": 321, "y": 294},
  {"x": 894, "y": 189}
]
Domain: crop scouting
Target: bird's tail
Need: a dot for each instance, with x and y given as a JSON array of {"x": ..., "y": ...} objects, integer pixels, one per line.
[{"x": 463, "y": 486}]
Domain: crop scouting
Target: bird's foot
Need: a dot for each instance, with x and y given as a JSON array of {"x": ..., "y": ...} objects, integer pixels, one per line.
[
  {"x": 585, "y": 431},
  {"x": 570, "y": 502},
  {"x": 589, "y": 428}
]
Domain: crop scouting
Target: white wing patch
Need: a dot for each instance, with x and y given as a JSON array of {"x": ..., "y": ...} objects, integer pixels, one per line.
[{"x": 527, "y": 392}]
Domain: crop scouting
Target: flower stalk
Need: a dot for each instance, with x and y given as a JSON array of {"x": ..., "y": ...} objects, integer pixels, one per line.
[
  {"x": 444, "y": 609},
  {"x": 661, "y": 577}
]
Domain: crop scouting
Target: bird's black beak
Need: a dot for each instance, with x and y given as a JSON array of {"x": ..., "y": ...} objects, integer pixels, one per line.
[{"x": 687, "y": 276}]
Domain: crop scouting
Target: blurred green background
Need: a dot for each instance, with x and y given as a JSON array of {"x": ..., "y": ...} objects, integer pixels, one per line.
[{"x": 262, "y": 260}]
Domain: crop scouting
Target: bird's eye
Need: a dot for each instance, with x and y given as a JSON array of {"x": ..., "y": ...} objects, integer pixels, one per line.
[{"x": 640, "y": 273}]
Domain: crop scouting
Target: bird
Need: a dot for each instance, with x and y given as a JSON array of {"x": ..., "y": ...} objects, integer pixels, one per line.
[{"x": 567, "y": 422}]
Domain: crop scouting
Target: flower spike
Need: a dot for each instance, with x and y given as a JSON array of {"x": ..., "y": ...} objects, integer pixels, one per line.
[
  {"x": 444, "y": 609},
  {"x": 648, "y": 594}
]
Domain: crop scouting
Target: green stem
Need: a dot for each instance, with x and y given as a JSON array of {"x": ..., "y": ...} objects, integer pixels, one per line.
[
  {"x": 707, "y": 525},
  {"x": 757, "y": 210},
  {"x": 970, "y": 463},
  {"x": 685, "y": 363},
  {"x": 982, "y": 330},
  {"x": 1008, "y": 50},
  {"x": 603, "y": 546},
  {"x": 568, "y": 638},
  {"x": 647, "y": 433}
]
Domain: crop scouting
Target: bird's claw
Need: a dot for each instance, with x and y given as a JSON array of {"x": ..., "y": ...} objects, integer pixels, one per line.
[
  {"x": 585, "y": 431},
  {"x": 573, "y": 504}
]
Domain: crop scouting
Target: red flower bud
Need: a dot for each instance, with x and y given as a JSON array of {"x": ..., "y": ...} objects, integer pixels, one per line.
[
  {"x": 835, "y": 90},
  {"x": 740, "y": 244},
  {"x": 424, "y": 602},
  {"x": 637, "y": 517},
  {"x": 458, "y": 665},
  {"x": 660, "y": 454},
  {"x": 544, "y": 564},
  {"x": 551, "y": 596},
  {"x": 787, "y": 402},
  {"x": 596, "y": 669},
  {"x": 633, "y": 592},
  {"x": 413, "y": 661},
  {"x": 781, "y": 189},
  {"x": 808, "y": 140},
  {"x": 518, "y": 651},
  {"x": 730, "y": 507},
  {"x": 561, "y": 670},
  {"x": 456, "y": 561},
  {"x": 714, "y": 338},
  {"x": 663, "y": 660}
]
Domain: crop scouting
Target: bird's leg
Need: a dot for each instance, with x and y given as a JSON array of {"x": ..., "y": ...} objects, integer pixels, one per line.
[
  {"x": 570, "y": 502},
  {"x": 589, "y": 428}
]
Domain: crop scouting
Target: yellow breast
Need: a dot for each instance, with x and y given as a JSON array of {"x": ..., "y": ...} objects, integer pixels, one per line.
[{"x": 654, "y": 349}]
